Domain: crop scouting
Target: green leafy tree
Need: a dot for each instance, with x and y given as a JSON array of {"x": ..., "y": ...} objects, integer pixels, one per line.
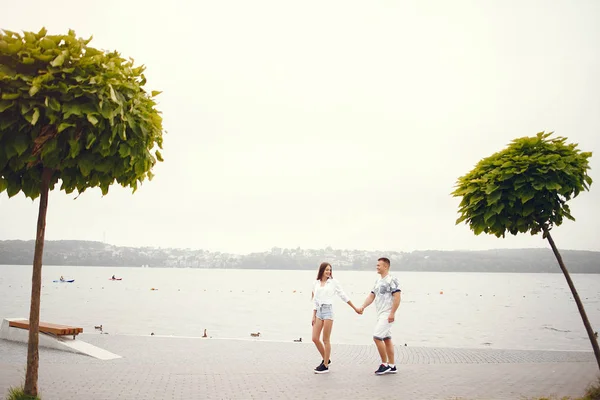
[
  {"x": 525, "y": 188},
  {"x": 72, "y": 114}
]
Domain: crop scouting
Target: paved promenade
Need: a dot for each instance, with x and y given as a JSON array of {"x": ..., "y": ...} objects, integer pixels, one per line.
[{"x": 181, "y": 368}]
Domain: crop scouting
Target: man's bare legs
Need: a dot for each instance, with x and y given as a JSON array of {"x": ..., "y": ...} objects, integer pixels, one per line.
[
  {"x": 327, "y": 325},
  {"x": 381, "y": 348},
  {"x": 389, "y": 350},
  {"x": 316, "y": 336},
  {"x": 386, "y": 350}
]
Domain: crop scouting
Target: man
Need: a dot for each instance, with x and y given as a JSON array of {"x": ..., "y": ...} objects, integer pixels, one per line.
[{"x": 386, "y": 294}]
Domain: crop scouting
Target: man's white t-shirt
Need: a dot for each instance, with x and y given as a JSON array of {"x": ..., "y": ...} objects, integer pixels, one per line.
[{"x": 383, "y": 290}]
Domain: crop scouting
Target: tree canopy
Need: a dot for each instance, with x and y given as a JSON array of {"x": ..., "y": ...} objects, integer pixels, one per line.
[
  {"x": 524, "y": 187},
  {"x": 76, "y": 111}
]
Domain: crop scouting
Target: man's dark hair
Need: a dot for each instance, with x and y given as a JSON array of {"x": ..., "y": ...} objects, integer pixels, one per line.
[{"x": 385, "y": 260}]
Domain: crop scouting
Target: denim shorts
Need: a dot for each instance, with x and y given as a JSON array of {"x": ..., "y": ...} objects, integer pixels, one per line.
[{"x": 325, "y": 311}]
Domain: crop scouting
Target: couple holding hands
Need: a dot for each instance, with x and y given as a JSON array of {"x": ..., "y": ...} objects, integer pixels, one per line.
[{"x": 386, "y": 295}]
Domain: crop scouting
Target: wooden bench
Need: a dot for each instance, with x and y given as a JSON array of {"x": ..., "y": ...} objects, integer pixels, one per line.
[{"x": 48, "y": 328}]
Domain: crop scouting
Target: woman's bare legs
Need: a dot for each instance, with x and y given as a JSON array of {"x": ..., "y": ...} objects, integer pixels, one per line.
[
  {"x": 316, "y": 334},
  {"x": 327, "y": 326}
]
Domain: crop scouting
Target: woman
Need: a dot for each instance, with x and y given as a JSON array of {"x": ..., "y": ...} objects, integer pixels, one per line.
[{"x": 324, "y": 289}]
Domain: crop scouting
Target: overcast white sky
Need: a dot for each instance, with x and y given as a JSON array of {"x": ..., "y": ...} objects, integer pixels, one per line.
[{"x": 329, "y": 123}]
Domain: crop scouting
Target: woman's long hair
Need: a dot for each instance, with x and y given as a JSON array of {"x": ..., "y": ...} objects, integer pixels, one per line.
[{"x": 322, "y": 270}]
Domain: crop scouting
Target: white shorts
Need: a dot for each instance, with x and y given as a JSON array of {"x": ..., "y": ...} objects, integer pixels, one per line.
[{"x": 383, "y": 328}]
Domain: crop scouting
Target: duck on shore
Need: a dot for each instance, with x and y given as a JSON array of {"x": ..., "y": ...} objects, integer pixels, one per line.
[{"x": 257, "y": 334}]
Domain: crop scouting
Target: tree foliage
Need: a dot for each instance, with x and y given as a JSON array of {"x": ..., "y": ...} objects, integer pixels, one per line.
[
  {"x": 80, "y": 112},
  {"x": 524, "y": 187}
]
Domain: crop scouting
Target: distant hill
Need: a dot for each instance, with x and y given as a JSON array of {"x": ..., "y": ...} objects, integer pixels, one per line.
[
  {"x": 502, "y": 260},
  {"x": 86, "y": 253}
]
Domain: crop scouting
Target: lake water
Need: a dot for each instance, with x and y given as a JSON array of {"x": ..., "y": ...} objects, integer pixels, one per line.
[{"x": 476, "y": 310}]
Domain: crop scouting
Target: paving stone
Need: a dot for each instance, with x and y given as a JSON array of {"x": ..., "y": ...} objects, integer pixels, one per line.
[{"x": 156, "y": 367}]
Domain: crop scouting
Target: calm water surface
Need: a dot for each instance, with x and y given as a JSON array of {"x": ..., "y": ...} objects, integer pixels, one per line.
[{"x": 496, "y": 310}]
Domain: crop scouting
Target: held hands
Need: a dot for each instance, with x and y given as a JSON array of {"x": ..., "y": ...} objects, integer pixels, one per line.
[{"x": 359, "y": 311}]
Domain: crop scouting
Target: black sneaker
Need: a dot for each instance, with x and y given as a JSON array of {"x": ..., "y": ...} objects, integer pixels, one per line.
[
  {"x": 383, "y": 369},
  {"x": 392, "y": 370},
  {"x": 321, "y": 369}
]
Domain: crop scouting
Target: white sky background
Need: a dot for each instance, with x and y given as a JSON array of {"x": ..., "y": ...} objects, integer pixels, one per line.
[{"x": 329, "y": 123}]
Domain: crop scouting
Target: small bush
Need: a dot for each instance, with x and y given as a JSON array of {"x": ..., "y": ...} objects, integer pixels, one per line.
[
  {"x": 593, "y": 391},
  {"x": 19, "y": 394}
]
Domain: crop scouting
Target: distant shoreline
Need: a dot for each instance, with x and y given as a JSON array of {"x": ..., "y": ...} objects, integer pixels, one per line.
[
  {"x": 558, "y": 271},
  {"x": 97, "y": 254}
]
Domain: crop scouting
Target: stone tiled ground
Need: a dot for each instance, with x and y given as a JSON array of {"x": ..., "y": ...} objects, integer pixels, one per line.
[{"x": 180, "y": 368}]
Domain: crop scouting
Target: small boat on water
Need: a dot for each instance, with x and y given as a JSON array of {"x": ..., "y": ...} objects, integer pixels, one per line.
[{"x": 64, "y": 281}]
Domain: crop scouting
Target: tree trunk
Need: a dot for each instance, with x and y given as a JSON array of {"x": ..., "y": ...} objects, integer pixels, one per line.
[
  {"x": 31, "y": 377},
  {"x": 586, "y": 322}
]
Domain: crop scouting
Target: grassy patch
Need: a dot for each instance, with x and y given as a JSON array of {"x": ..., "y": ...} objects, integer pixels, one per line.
[
  {"x": 19, "y": 394},
  {"x": 555, "y": 398}
]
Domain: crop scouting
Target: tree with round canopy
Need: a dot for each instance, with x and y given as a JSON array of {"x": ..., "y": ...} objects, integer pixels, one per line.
[
  {"x": 525, "y": 188},
  {"x": 74, "y": 116}
]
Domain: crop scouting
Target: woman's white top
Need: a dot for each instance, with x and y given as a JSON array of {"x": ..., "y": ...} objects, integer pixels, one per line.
[{"x": 325, "y": 294}]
